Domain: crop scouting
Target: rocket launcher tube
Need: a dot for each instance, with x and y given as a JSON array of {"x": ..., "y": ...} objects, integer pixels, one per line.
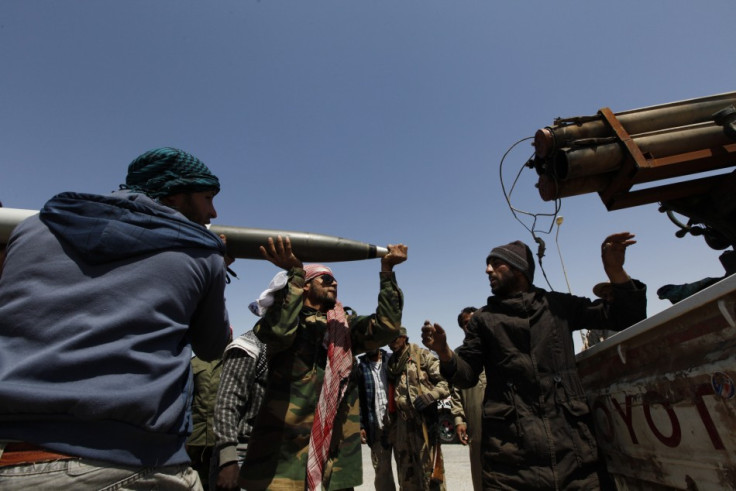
[
  {"x": 243, "y": 243},
  {"x": 583, "y": 161},
  {"x": 636, "y": 121}
]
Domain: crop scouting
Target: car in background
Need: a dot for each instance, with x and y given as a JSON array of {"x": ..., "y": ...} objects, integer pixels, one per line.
[{"x": 446, "y": 421}]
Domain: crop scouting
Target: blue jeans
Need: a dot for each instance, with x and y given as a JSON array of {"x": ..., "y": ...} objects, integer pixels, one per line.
[
  {"x": 85, "y": 474},
  {"x": 381, "y": 459}
]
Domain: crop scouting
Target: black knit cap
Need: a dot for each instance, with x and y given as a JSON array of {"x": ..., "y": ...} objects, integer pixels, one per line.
[{"x": 517, "y": 255}]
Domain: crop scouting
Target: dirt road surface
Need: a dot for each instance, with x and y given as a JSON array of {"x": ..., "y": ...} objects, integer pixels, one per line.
[{"x": 457, "y": 469}]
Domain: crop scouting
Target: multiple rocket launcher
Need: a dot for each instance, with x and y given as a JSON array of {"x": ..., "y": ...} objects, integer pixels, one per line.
[
  {"x": 609, "y": 153},
  {"x": 243, "y": 243}
]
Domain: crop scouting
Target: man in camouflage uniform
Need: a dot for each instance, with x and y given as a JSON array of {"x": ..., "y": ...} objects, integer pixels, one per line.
[
  {"x": 415, "y": 387},
  {"x": 302, "y": 338}
]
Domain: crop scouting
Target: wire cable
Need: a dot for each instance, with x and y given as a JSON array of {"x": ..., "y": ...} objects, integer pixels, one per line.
[
  {"x": 533, "y": 230},
  {"x": 559, "y": 221},
  {"x": 556, "y": 219},
  {"x": 583, "y": 335}
]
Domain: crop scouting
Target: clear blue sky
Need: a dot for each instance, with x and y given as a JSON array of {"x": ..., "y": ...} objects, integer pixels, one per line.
[{"x": 381, "y": 121}]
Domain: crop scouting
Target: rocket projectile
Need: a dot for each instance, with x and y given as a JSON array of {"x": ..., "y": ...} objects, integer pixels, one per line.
[{"x": 244, "y": 242}]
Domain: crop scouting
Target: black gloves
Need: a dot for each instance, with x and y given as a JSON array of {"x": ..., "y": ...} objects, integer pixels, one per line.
[{"x": 423, "y": 401}]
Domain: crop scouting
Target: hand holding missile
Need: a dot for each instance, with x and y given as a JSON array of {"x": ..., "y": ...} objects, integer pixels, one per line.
[
  {"x": 396, "y": 254},
  {"x": 613, "y": 254},
  {"x": 280, "y": 254}
]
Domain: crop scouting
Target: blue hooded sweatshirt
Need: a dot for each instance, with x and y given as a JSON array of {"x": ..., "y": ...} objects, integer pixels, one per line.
[{"x": 102, "y": 299}]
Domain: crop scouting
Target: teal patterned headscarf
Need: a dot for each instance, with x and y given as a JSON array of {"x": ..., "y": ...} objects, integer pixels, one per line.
[{"x": 166, "y": 171}]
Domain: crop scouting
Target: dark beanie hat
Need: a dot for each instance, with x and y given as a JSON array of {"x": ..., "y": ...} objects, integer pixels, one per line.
[
  {"x": 166, "y": 171},
  {"x": 518, "y": 255}
]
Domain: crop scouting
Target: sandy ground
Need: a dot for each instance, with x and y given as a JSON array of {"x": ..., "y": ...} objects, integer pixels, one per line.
[{"x": 457, "y": 469}]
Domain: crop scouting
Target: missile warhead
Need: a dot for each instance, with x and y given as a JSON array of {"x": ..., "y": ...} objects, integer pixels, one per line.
[{"x": 244, "y": 242}]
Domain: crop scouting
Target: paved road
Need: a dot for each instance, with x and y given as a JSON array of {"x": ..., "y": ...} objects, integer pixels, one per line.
[{"x": 457, "y": 469}]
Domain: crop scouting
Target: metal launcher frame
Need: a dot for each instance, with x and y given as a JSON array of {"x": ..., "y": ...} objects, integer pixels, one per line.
[
  {"x": 611, "y": 153},
  {"x": 638, "y": 168}
]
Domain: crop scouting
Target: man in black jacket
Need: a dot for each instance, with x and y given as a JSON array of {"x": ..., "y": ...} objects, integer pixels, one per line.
[{"x": 537, "y": 426}]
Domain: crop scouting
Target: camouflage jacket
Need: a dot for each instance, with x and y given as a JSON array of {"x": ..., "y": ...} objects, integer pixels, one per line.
[
  {"x": 420, "y": 375},
  {"x": 278, "y": 448}
]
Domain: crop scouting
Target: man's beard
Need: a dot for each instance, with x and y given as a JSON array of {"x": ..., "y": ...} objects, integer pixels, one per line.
[
  {"x": 503, "y": 286},
  {"x": 327, "y": 302}
]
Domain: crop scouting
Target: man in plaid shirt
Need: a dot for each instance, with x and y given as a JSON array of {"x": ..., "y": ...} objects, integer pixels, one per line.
[
  {"x": 239, "y": 398},
  {"x": 373, "y": 392}
]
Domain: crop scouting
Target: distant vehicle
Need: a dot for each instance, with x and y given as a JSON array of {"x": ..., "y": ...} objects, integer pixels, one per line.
[{"x": 446, "y": 421}]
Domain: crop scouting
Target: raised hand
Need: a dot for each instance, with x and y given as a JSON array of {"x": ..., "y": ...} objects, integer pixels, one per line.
[
  {"x": 613, "y": 255},
  {"x": 279, "y": 253},
  {"x": 396, "y": 254}
]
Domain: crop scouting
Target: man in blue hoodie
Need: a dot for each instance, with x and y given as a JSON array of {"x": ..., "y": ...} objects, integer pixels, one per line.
[{"x": 102, "y": 299}]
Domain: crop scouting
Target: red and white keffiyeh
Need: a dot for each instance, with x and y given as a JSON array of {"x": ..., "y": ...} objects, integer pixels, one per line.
[{"x": 337, "y": 370}]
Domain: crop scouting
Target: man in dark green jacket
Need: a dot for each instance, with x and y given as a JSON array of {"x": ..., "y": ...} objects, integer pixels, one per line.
[
  {"x": 537, "y": 426},
  {"x": 200, "y": 444}
]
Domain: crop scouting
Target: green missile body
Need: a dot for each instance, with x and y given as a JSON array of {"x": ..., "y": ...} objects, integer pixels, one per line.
[{"x": 244, "y": 243}]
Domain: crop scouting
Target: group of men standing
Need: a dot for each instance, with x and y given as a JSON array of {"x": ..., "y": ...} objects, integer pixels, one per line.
[
  {"x": 104, "y": 298},
  {"x": 399, "y": 415}
]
